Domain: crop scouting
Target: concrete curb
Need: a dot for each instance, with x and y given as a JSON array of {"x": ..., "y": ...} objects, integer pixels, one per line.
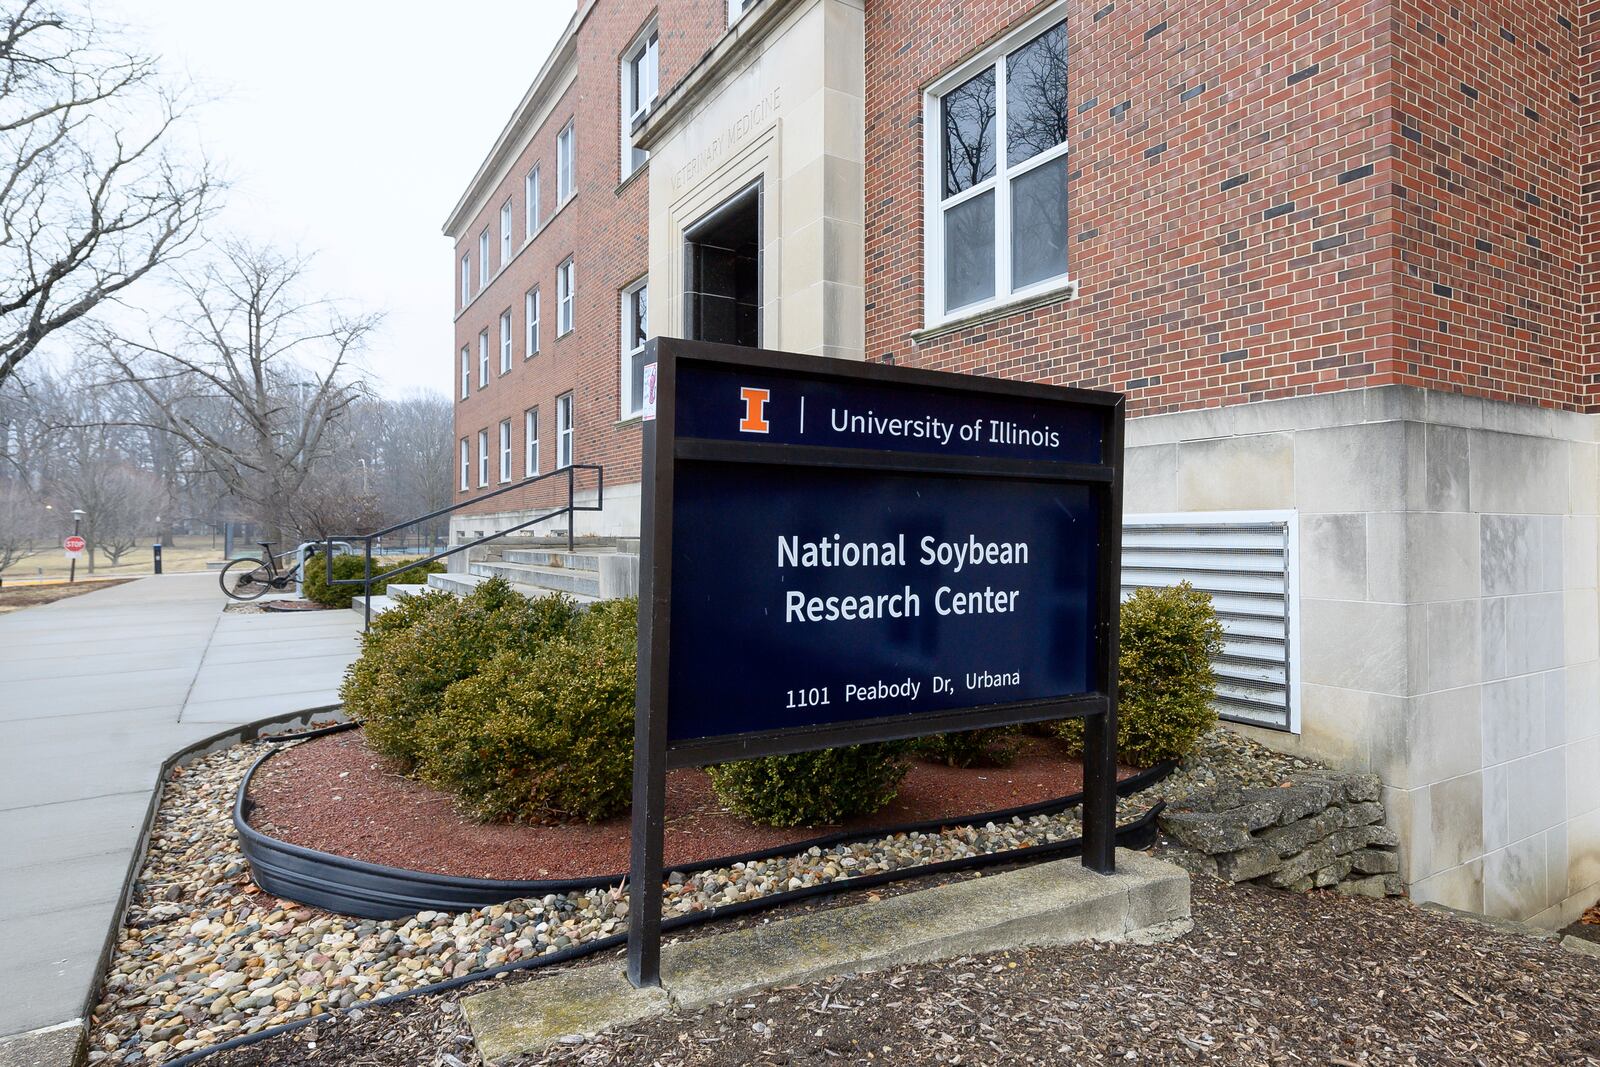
[
  {"x": 1054, "y": 903},
  {"x": 64, "y": 1044}
]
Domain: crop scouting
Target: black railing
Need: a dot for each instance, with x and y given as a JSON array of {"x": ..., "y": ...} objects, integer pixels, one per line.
[{"x": 569, "y": 509}]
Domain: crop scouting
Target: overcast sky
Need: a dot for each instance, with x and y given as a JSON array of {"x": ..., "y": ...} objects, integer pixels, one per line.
[{"x": 349, "y": 128}]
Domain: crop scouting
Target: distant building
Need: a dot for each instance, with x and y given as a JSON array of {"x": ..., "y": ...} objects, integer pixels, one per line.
[{"x": 1339, "y": 258}]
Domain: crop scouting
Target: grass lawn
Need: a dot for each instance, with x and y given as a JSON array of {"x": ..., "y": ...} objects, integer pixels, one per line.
[
  {"x": 17, "y": 597},
  {"x": 190, "y": 552}
]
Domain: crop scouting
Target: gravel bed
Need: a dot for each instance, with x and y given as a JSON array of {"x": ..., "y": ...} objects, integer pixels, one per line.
[
  {"x": 1264, "y": 977},
  {"x": 205, "y": 956}
]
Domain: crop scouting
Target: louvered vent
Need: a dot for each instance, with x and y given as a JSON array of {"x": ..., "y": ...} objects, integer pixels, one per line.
[{"x": 1245, "y": 568}]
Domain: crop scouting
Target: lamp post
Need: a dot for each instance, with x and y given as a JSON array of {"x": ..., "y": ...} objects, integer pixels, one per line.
[{"x": 72, "y": 564}]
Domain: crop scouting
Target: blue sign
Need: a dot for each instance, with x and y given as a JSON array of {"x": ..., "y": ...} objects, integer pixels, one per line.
[
  {"x": 759, "y": 405},
  {"x": 838, "y": 553},
  {"x": 806, "y": 594}
]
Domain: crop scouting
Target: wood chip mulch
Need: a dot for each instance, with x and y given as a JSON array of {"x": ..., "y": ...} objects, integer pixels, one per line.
[
  {"x": 1264, "y": 977},
  {"x": 334, "y": 794}
]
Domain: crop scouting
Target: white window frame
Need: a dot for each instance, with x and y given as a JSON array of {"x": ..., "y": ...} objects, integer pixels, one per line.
[
  {"x": 505, "y": 232},
  {"x": 530, "y": 309},
  {"x": 466, "y": 278},
  {"x": 566, "y": 430},
  {"x": 530, "y": 196},
  {"x": 566, "y": 296},
  {"x": 566, "y": 162},
  {"x": 483, "y": 358},
  {"x": 737, "y": 9},
  {"x": 466, "y": 465},
  {"x": 628, "y": 404},
  {"x": 466, "y": 371},
  {"x": 530, "y": 442},
  {"x": 641, "y": 59},
  {"x": 483, "y": 259},
  {"x": 483, "y": 458},
  {"x": 934, "y": 205},
  {"x": 505, "y": 450},
  {"x": 505, "y": 341}
]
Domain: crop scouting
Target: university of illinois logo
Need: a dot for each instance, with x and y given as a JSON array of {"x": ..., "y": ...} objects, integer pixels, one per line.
[{"x": 755, "y": 410}]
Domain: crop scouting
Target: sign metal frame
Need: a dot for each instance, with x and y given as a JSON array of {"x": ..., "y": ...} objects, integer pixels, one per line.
[{"x": 655, "y": 753}]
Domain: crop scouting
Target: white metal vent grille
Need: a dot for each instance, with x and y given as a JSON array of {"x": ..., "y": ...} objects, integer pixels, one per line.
[{"x": 1245, "y": 565}]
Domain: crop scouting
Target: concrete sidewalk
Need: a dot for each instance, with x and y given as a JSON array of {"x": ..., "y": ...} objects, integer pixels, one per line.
[{"x": 95, "y": 692}]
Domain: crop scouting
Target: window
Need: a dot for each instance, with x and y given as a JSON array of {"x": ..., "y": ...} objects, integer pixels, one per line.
[
  {"x": 530, "y": 442},
  {"x": 639, "y": 83},
  {"x": 466, "y": 464},
  {"x": 530, "y": 192},
  {"x": 483, "y": 359},
  {"x": 566, "y": 164},
  {"x": 737, "y": 8},
  {"x": 505, "y": 451},
  {"x": 996, "y": 185},
  {"x": 483, "y": 458},
  {"x": 564, "y": 430},
  {"x": 531, "y": 313},
  {"x": 564, "y": 296},
  {"x": 505, "y": 233},
  {"x": 483, "y": 259},
  {"x": 466, "y": 278},
  {"x": 635, "y": 328},
  {"x": 466, "y": 371},
  {"x": 505, "y": 341}
]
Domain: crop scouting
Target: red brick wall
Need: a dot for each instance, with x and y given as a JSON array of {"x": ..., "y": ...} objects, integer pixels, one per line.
[
  {"x": 1195, "y": 128},
  {"x": 1587, "y": 19},
  {"x": 604, "y": 229},
  {"x": 1489, "y": 189}
]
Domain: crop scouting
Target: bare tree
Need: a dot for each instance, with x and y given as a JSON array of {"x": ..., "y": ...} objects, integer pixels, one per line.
[
  {"x": 21, "y": 524},
  {"x": 415, "y": 447},
  {"x": 91, "y": 200},
  {"x": 250, "y": 375}
]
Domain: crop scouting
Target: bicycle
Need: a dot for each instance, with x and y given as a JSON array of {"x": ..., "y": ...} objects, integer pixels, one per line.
[{"x": 247, "y": 579}]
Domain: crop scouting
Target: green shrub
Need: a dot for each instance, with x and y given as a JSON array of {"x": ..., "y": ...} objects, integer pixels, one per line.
[
  {"x": 543, "y": 734},
  {"x": 314, "y": 577},
  {"x": 994, "y": 747},
  {"x": 1165, "y": 688},
  {"x": 812, "y": 788},
  {"x": 415, "y": 652}
]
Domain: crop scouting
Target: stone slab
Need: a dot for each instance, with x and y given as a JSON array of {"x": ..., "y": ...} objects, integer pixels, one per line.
[
  {"x": 53, "y": 1046},
  {"x": 1048, "y": 904}
]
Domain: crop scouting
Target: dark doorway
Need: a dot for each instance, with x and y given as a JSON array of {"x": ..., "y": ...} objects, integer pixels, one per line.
[{"x": 723, "y": 297}]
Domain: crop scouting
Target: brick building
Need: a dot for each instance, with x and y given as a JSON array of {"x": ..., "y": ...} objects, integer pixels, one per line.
[{"x": 1338, "y": 256}]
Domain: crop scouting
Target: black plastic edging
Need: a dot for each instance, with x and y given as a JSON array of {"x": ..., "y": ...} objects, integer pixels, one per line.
[
  {"x": 366, "y": 890},
  {"x": 1139, "y": 834}
]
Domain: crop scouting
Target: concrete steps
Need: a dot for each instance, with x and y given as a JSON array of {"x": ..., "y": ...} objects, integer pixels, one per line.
[
  {"x": 563, "y": 579},
  {"x": 591, "y": 572},
  {"x": 384, "y": 601}
]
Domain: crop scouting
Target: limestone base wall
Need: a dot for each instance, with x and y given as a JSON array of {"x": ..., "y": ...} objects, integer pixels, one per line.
[{"x": 1450, "y": 631}]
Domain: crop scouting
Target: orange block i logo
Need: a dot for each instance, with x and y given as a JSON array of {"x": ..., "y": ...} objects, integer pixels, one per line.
[{"x": 755, "y": 410}]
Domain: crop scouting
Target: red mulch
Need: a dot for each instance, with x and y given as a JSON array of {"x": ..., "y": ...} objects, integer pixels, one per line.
[{"x": 335, "y": 795}]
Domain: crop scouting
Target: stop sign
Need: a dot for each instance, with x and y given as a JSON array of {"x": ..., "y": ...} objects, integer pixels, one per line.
[{"x": 74, "y": 546}]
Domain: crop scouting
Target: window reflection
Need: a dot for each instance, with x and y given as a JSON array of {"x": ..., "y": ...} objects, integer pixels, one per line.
[{"x": 969, "y": 133}]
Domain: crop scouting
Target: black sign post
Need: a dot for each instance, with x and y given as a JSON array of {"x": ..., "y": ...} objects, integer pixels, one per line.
[{"x": 836, "y": 553}]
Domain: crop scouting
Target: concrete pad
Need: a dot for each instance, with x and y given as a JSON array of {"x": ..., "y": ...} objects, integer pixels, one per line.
[
  {"x": 214, "y": 714},
  {"x": 1050, "y": 904},
  {"x": 90, "y": 827},
  {"x": 52, "y": 967},
  {"x": 187, "y": 658},
  {"x": 53, "y": 1046}
]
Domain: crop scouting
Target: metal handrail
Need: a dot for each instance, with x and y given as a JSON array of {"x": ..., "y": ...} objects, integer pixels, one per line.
[{"x": 368, "y": 579}]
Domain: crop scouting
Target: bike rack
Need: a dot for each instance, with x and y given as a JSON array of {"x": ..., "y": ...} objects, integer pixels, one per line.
[{"x": 368, "y": 579}]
